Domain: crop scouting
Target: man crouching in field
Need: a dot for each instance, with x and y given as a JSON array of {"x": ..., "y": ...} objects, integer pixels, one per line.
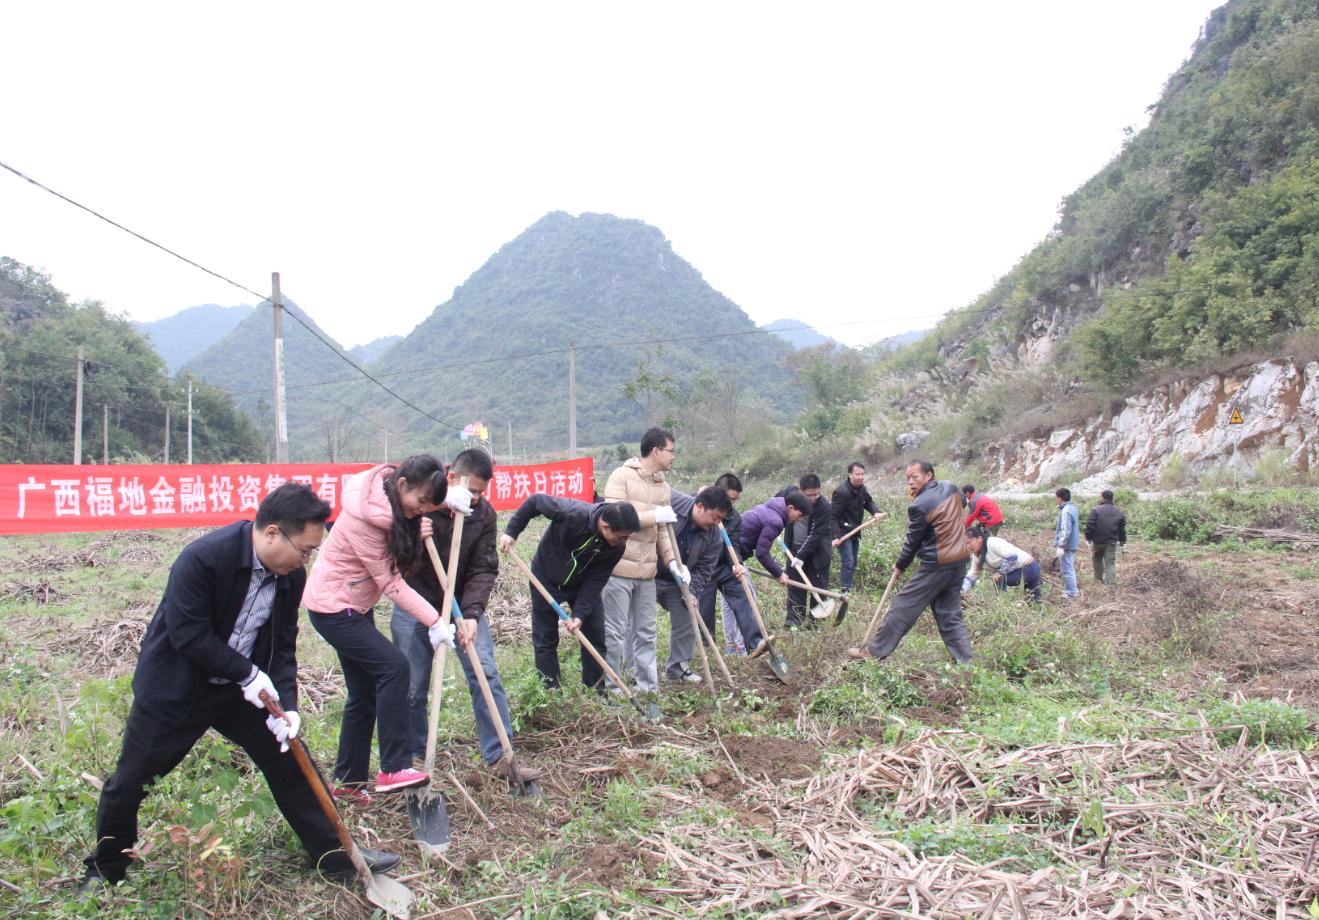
[{"x": 224, "y": 632}]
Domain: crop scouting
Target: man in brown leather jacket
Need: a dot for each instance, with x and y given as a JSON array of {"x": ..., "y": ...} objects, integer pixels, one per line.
[{"x": 936, "y": 536}]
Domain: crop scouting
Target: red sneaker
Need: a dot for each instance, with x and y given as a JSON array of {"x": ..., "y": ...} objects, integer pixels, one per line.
[
  {"x": 351, "y": 795},
  {"x": 400, "y": 779}
]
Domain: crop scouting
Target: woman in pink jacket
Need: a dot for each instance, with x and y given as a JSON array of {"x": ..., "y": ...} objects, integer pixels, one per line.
[{"x": 376, "y": 542}]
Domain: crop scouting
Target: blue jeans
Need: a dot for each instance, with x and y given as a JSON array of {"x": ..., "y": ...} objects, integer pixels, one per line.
[
  {"x": 411, "y": 638},
  {"x": 1067, "y": 563},
  {"x": 847, "y": 554},
  {"x": 1028, "y": 578}
]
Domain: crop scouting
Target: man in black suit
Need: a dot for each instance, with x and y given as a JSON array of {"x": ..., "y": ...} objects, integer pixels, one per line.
[{"x": 226, "y": 630}]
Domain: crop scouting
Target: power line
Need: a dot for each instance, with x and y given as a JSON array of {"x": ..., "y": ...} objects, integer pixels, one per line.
[{"x": 230, "y": 281}]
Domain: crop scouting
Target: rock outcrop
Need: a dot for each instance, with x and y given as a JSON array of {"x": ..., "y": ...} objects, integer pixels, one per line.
[{"x": 1278, "y": 402}]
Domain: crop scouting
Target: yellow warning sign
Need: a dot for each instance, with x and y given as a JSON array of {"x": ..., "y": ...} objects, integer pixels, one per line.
[{"x": 1236, "y": 418}]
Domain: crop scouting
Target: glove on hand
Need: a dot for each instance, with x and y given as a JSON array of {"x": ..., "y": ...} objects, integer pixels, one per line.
[
  {"x": 254, "y": 685},
  {"x": 458, "y": 499},
  {"x": 664, "y": 515},
  {"x": 284, "y": 731},
  {"x": 441, "y": 632},
  {"x": 1061, "y": 551},
  {"x": 680, "y": 573}
]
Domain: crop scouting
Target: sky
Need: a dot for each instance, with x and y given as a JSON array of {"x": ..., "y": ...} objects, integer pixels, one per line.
[{"x": 864, "y": 167}]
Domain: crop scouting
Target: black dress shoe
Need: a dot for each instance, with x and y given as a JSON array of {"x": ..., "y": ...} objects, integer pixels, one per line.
[{"x": 337, "y": 865}]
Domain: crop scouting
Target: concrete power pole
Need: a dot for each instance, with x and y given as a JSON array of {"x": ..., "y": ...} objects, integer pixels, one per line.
[
  {"x": 281, "y": 418},
  {"x": 105, "y": 434},
  {"x": 572, "y": 399},
  {"x": 189, "y": 423},
  {"x": 77, "y": 412},
  {"x": 167, "y": 432}
]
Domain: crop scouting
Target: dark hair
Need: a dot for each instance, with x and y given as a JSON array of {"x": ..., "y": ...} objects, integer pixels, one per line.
[
  {"x": 1064, "y": 494},
  {"x": 291, "y": 507},
  {"x": 853, "y": 465},
  {"x": 621, "y": 516},
  {"x": 653, "y": 438},
  {"x": 796, "y": 499},
  {"x": 926, "y": 466},
  {"x": 978, "y": 532},
  {"x": 729, "y": 483},
  {"x": 713, "y": 498},
  {"x": 969, "y": 489},
  {"x": 1106, "y": 495},
  {"x": 808, "y": 481},
  {"x": 473, "y": 462},
  {"x": 422, "y": 471}
]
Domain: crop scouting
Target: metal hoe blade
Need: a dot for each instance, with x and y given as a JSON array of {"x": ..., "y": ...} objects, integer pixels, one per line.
[
  {"x": 430, "y": 820},
  {"x": 390, "y": 895},
  {"x": 825, "y": 609},
  {"x": 842, "y": 612}
]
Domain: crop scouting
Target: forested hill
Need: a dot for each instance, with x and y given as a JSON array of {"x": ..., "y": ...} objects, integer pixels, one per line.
[
  {"x": 186, "y": 334},
  {"x": 242, "y": 363},
  {"x": 40, "y": 331},
  {"x": 497, "y": 349},
  {"x": 1197, "y": 243}
]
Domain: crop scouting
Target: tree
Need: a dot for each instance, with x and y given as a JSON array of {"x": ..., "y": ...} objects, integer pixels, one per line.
[{"x": 649, "y": 387}]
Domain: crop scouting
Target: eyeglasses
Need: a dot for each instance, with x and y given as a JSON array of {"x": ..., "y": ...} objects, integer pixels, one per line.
[
  {"x": 672, "y": 450},
  {"x": 304, "y": 553}
]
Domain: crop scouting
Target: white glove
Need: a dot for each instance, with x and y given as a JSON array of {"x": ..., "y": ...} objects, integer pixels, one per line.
[
  {"x": 255, "y": 684},
  {"x": 968, "y": 583},
  {"x": 680, "y": 573},
  {"x": 458, "y": 499},
  {"x": 441, "y": 633},
  {"x": 283, "y": 731},
  {"x": 664, "y": 515},
  {"x": 1061, "y": 552}
]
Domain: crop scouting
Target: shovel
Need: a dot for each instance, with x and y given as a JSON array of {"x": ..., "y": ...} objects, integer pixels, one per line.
[
  {"x": 529, "y": 789},
  {"x": 652, "y": 711},
  {"x": 874, "y": 620},
  {"x": 824, "y": 608},
  {"x": 777, "y": 663},
  {"x": 426, "y": 809},
  {"x": 702, "y": 635},
  {"x": 824, "y": 592},
  {"x": 389, "y": 894},
  {"x": 860, "y": 527}
]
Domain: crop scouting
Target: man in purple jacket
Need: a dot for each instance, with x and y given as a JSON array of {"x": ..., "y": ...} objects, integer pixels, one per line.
[{"x": 762, "y": 525}]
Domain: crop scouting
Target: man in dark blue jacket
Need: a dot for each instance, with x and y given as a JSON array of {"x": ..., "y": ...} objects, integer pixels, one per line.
[
  {"x": 225, "y": 631},
  {"x": 573, "y": 561},
  {"x": 699, "y": 550},
  {"x": 936, "y": 536},
  {"x": 812, "y": 542}
]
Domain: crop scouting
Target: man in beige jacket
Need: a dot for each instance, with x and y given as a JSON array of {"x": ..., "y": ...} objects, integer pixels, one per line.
[{"x": 629, "y": 597}]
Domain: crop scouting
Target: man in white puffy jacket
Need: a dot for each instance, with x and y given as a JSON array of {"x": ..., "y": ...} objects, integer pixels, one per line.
[{"x": 629, "y": 597}]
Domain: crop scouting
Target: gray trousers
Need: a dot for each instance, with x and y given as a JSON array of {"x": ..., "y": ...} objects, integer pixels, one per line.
[
  {"x": 682, "y": 635},
  {"x": 630, "y": 628},
  {"x": 940, "y": 589}
]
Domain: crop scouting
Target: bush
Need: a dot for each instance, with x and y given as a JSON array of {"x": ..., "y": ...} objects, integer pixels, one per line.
[{"x": 1267, "y": 722}]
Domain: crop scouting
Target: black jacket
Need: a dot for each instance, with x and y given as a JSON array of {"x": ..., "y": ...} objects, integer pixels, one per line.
[
  {"x": 850, "y": 506},
  {"x": 1106, "y": 524},
  {"x": 478, "y": 563},
  {"x": 808, "y": 539},
  {"x": 186, "y": 642},
  {"x": 573, "y": 561},
  {"x": 936, "y": 534}
]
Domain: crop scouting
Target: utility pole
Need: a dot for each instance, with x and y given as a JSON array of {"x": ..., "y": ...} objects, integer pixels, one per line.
[
  {"x": 167, "y": 432},
  {"x": 77, "y": 413},
  {"x": 189, "y": 423},
  {"x": 281, "y": 419},
  {"x": 386, "y": 431},
  {"x": 105, "y": 434},
  {"x": 572, "y": 399}
]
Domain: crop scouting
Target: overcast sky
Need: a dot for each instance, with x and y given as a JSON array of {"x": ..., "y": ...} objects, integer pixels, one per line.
[{"x": 862, "y": 166}]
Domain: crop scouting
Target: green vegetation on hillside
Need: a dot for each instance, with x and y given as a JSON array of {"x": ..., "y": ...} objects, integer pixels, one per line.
[{"x": 40, "y": 332}]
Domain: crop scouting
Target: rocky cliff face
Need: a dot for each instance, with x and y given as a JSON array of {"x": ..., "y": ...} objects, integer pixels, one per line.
[{"x": 1278, "y": 401}]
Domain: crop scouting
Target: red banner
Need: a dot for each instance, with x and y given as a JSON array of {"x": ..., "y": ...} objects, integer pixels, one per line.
[{"x": 54, "y": 499}]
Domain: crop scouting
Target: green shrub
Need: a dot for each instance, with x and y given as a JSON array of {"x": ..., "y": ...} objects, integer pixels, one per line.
[{"x": 1267, "y": 722}]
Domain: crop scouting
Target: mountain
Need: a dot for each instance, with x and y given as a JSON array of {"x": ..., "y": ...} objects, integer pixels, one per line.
[
  {"x": 241, "y": 364},
  {"x": 497, "y": 350},
  {"x": 186, "y": 334},
  {"x": 797, "y": 333},
  {"x": 894, "y": 342},
  {"x": 1195, "y": 248},
  {"x": 369, "y": 351}
]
